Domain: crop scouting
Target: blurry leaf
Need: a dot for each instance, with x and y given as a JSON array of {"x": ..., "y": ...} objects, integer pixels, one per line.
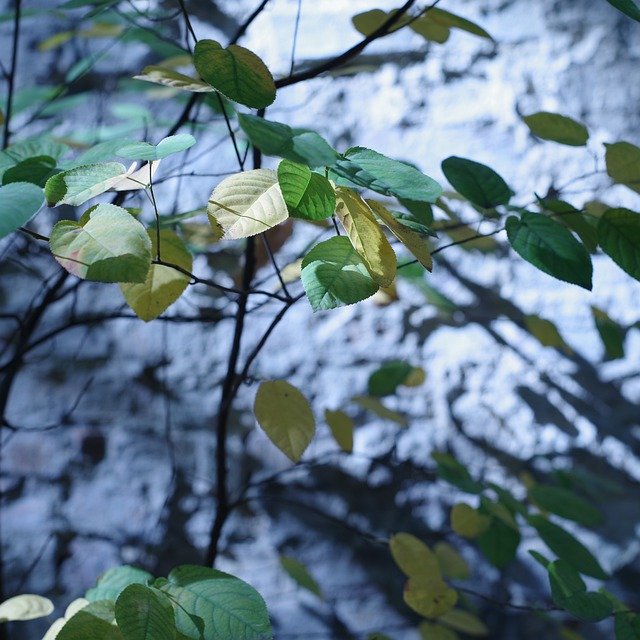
[
  {"x": 375, "y": 406},
  {"x": 300, "y": 574},
  {"x": 297, "y": 145},
  {"x": 567, "y": 548},
  {"x": 575, "y": 220},
  {"x": 366, "y": 236},
  {"x": 611, "y": 334},
  {"x": 236, "y": 72},
  {"x": 341, "y": 426},
  {"x": 546, "y": 332},
  {"x": 450, "y": 470},
  {"x": 627, "y": 626},
  {"x": 548, "y": 246},
  {"x": 55, "y": 40},
  {"x": 25, "y": 607},
  {"x": 108, "y": 246},
  {"x": 19, "y": 202},
  {"x": 411, "y": 240},
  {"x": 446, "y": 19},
  {"x": 619, "y": 237},
  {"x": 557, "y": 128},
  {"x": 430, "y": 631},
  {"x": 467, "y": 521},
  {"x": 308, "y": 195},
  {"x": 111, "y": 583},
  {"x": 476, "y": 182},
  {"x": 163, "y": 284},
  {"x": 465, "y": 622},
  {"x": 101, "y": 152},
  {"x": 385, "y": 380},
  {"x": 566, "y": 504},
  {"x": 76, "y": 186},
  {"x": 285, "y": 416},
  {"x": 416, "y": 377},
  {"x": 174, "y": 79},
  {"x": 247, "y": 203},
  {"x": 144, "y": 614},
  {"x": 372, "y": 170},
  {"x": 413, "y": 557},
  {"x": 35, "y": 147},
  {"x": 429, "y": 597},
  {"x": 452, "y": 564},
  {"x": 164, "y": 148},
  {"x": 333, "y": 274},
  {"x": 35, "y": 170},
  {"x": 368, "y": 22},
  {"x": 499, "y": 543},
  {"x": 630, "y": 8},
  {"x": 623, "y": 164}
]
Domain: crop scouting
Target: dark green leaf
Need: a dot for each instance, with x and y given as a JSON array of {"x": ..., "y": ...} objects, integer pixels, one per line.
[
  {"x": 611, "y": 334},
  {"x": 623, "y": 164},
  {"x": 300, "y": 574},
  {"x": 565, "y": 503},
  {"x": 628, "y": 7},
  {"x": 547, "y": 245},
  {"x": 145, "y": 614},
  {"x": 499, "y": 543},
  {"x": 627, "y": 626},
  {"x": 93, "y": 621},
  {"x": 388, "y": 378},
  {"x": 34, "y": 170},
  {"x": 450, "y": 470},
  {"x": 557, "y": 128},
  {"x": 476, "y": 182},
  {"x": 574, "y": 219},
  {"x": 619, "y": 236}
]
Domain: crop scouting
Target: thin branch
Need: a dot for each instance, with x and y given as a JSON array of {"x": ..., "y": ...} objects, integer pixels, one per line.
[{"x": 11, "y": 79}]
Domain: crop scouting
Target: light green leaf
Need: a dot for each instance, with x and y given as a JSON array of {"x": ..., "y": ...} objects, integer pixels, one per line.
[
  {"x": 230, "y": 608},
  {"x": 333, "y": 274},
  {"x": 467, "y": 521},
  {"x": 40, "y": 146},
  {"x": 163, "y": 285},
  {"x": 285, "y": 415},
  {"x": 431, "y": 631},
  {"x": 109, "y": 246},
  {"x": 366, "y": 236},
  {"x": 19, "y": 202},
  {"x": 476, "y": 182},
  {"x": 236, "y": 72},
  {"x": 25, "y": 607},
  {"x": 452, "y": 564},
  {"x": 101, "y": 152},
  {"x": 111, "y": 584},
  {"x": 385, "y": 380},
  {"x": 368, "y": 22},
  {"x": 300, "y": 574},
  {"x": 375, "y": 406},
  {"x": 372, "y": 170},
  {"x": 623, "y": 164},
  {"x": 174, "y": 79},
  {"x": 144, "y": 614},
  {"x": 628, "y": 7},
  {"x": 413, "y": 557},
  {"x": 557, "y": 128},
  {"x": 164, "y": 148},
  {"x": 565, "y": 503},
  {"x": 247, "y": 203},
  {"x": 465, "y": 622},
  {"x": 447, "y": 19},
  {"x": 341, "y": 426},
  {"x": 430, "y": 597},
  {"x": 550, "y": 247},
  {"x": 308, "y": 195},
  {"x": 619, "y": 237},
  {"x": 611, "y": 333},
  {"x": 567, "y": 548},
  {"x": 76, "y": 186},
  {"x": 297, "y": 145}
]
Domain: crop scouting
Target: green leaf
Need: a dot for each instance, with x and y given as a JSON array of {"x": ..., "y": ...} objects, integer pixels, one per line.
[
  {"x": 143, "y": 614},
  {"x": 447, "y": 19},
  {"x": 627, "y": 626},
  {"x": 247, "y": 203},
  {"x": 173, "y": 79},
  {"x": 164, "y": 148},
  {"x": 623, "y": 164},
  {"x": 333, "y": 274},
  {"x": 375, "y": 406},
  {"x": 619, "y": 237},
  {"x": 467, "y": 521},
  {"x": 366, "y": 236},
  {"x": 569, "y": 592},
  {"x": 163, "y": 285},
  {"x": 567, "y": 548},
  {"x": 573, "y": 219},
  {"x": 452, "y": 564},
  {"x": 465, "y": 622},
  {"x": 341, "y": 426},
  {"x": 499, "y": 543},
  {"x": 108, "y": 246},
  {"x": 236, "y": 72},
  {"x": 430, "y": 631},
  {"x": 230, "y": 608},
  {"x": 450, "y": 470},
  {"x": 285, "y": 415},
  {"x": 372, "y": 170},
  {"x": 76, "y": 186},
  {"x": 35, "y": 147},
  {"x": 308, "y": 195},
  {"x": 385, "y": 380},
  {"x": 413, "y": 557},
  {"x": 429, "y": 597},
  {"x": 565, "y": 503},
  {"x": 300, "y": 574},
  {"x": 545, "y": 332},
  {"x": 611, "y": 333},
  {"x": 548, "y": 246},
  {"x": 35, "y": 170},
  {"x": 25, "y": 607},
  {"x": 369, "y": 21},
  {"x": 111, "y": 584},
  {"x": 101, "y": 152},
  {"x": 476, "y": 182},
  {"x": 19, "y": 202},
  {"x": 557, "y": 128},
  {"x": 628, "y": 7},
  {"x": 93, "y": 621},
  {"x": 297, "y": 145}
]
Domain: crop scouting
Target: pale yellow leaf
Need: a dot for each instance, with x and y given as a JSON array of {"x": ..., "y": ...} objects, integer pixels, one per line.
[
  {"x": 25, "y": 607},
  {"x": 430, "y": 597},
  {"x": 467, "y": 521},
  {"x": 341, "y": 426},
  {"x": 465, "y": 622},
  {"x": 413, "y": 557}
]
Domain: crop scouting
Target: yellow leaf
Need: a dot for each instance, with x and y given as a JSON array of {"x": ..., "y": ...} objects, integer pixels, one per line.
[
  {"x": 285, "y": 416},
  {"x": 467, "y": 522},
  {"x": 366, "y": 236},
  {"x": 341, "y": 426},
  {"x": 452, "y": 564},
  {"x": 430, "y": 631},
  {"x": 430, "y": 597},
  {"x": 56, "y": 40},
  {"x": 416, "y": 244},
  {"x": 465, "y": 622},
  {"x": 545, "y": 332},
  {"x": 374, "y": 405},
  {"x": 416, "y": 377},
  {"x": 413, "y": 557}
]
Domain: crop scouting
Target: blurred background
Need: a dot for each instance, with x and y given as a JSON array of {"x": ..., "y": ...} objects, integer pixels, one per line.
[{"x": 108, "y": 446}]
